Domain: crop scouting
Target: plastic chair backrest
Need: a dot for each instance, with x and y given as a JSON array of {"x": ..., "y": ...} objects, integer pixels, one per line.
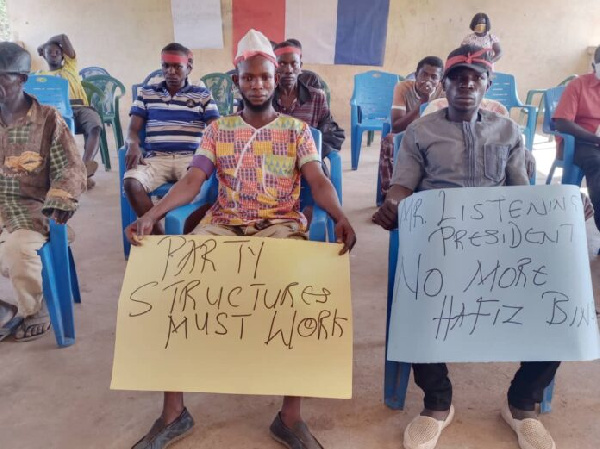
[
  {"x": 504, "y": 90},
  {"x": 221, "y": 87},
  {"x": 152, "y": 78},
  {"x": 95, "y": 96},
  {"x": 52, "y": 91},
  {"x": 90, "y": 71},
  {"x": 397, "y": 141},
  {"x": 109, "y": 86},
  {"x": 551, "y": 99},
  {"x": 374, "y": 92}
]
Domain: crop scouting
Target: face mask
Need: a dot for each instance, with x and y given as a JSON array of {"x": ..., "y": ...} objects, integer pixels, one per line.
[
  {"x": 597, "y": 70},
  {"x": 480, "y": 28}
]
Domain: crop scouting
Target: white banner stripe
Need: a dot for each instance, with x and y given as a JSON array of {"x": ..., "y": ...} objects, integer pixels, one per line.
[{"x": 314, "y": 24}]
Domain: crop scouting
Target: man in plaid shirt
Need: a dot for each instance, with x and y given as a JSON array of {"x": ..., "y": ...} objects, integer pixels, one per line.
[{"x": 41, "y": 177}]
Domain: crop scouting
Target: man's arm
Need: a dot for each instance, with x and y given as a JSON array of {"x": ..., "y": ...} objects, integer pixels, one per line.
[
  {"x": 569, "y": 127},
  {"x": 65, "y": 44},
  {"x": 67, "y": 175},
  {"x": 333, "y": 135},
  {"x": 387, "y": 215},
  {"x": 183, "y": 192},
  {"x": 401, "y": 119},
  {"x": 325, "y": 196},
  {"x": 497, "y": 51},
  {"x": 134, "y": 156}
]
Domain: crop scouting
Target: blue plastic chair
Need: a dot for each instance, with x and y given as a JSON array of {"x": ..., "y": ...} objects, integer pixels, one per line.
[
  {"x": 572, "y": 174},
  {"x": 504, "y": 90},
  {"x": 397, "y": 374},
  {"x": 370, "y": 106},
  {"x": 175, "y": 220},
  {"x": 60, "y": 284},
  {"x": 52, "y": 91},
  {"x": 91, "y": 71},
  {"x": 150, "y": 79}
]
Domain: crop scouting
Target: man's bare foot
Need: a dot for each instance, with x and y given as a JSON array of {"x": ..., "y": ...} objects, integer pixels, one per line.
[{"x": 33, "y": 327}]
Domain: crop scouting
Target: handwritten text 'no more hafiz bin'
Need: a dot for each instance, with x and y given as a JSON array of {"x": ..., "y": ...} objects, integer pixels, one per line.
[
  {"x": 235, "y": 315},
  {"x": 493, "y": 274}
]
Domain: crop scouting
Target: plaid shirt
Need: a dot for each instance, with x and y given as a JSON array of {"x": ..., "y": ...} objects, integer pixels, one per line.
[
  {"x": 311, "y": 107},
  {"x": 41, "y": 169},
  {"x": 258, "y": 169}
]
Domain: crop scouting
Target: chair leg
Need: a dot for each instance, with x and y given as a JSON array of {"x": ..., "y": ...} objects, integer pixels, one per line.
[
  {"x": 378, "y": 195},
  {"x": 356, "y": 143},
  {"x": 551, "y": 174},
  {"x": 60, "y": 305},
  {"x": 104, "y": 149},
  {"x": 397, "y": 375},
  {"x": 546, "y": 405},
  {"x": 74, "y": 280},
  {"x": 370, "y": 137}
]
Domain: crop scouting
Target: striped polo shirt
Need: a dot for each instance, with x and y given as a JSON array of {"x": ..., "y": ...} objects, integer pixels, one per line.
[{"x": 174, "y": 123}]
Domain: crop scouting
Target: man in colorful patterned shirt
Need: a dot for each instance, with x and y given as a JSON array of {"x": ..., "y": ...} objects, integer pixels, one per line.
[
  {"x": 41, "y": 177},
  {"x": 60, "y": 56},
  {"x": 172, "y": 116},
  {"x": 259, "y": 157}
]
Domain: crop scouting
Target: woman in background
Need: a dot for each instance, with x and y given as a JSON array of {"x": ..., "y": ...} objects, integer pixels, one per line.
[{"x": 481, "y": 36}]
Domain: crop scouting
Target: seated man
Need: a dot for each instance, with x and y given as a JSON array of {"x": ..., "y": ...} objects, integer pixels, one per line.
[
  {"x": 578, "y": 114},
  {"x": 309, "y": 104},
  {"x": 60, "y": 56},
  {"x": 438, "y": 151},
  {"x": 42, "y": 177},
  {"x": 253, "y": 200},
  {"x": 173, "y": 115},
  {"x": 408, "y": 98}
]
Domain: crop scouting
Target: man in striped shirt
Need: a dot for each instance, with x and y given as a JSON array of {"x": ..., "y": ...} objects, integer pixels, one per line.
[{"x": 172, "y": 116}]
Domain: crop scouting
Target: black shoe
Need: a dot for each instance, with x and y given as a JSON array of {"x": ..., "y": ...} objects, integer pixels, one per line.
[
  {"x": 161, "y": 436},
  {"x": 297, "y": 438}
]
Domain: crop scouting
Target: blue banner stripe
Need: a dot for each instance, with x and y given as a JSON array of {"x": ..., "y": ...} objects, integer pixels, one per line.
[{"x": 361, "y": 31}]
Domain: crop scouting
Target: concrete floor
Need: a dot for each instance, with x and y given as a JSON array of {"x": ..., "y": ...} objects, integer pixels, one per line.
[{"x": 60, "y": 398}]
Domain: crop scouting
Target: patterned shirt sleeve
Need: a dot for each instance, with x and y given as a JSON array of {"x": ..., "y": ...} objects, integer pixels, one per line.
[
  {"x": 67, "y": 172},
  {"x": 205, "y": 157},
  {"x": 306, "y": 150}
]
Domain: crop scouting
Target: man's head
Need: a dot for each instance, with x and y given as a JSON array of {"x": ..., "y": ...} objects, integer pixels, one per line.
[
  {"x": 52, "y": 52},
  {"x": 480, "y": 23},
  {"x": 289, "y": 62},
  {"x": 15, "y": 65},
  {"x": 467, "y": 77},
  {"x": 428, "y": 74},
  {"x": 176, "y": 63},
  {"x": 256, "y": 77}
]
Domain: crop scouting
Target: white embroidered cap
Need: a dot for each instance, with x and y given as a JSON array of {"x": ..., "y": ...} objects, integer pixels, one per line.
[{"x": 254, "y": 43}]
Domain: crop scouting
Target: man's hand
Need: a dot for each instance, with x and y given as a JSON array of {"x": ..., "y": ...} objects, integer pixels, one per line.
[
  {"x": 133, "y": 156},
  {"x": 138, "y": 229},
  {"x": 588, "y": 207},
  {"x": 345, "y": 234},
  {"x": 60, "y": 216},
  {"x": 387, "y": 215}
]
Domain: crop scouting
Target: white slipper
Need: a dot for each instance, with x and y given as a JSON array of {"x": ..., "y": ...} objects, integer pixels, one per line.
[
  {"x": 531, "y": 432},
  {"x": 423, "y": 432}
]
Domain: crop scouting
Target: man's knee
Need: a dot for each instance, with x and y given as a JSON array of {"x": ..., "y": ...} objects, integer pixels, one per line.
[
  {"x": 133, "y": 187},
  {"x": 22, "y": 246}
]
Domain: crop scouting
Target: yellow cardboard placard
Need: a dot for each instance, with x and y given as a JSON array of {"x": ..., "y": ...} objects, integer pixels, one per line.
[{"x": 235, "y": 315}]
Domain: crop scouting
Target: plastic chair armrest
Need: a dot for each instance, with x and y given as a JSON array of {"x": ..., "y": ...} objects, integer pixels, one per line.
[
  {"x": 318, "y": 225},
  {"x": 335, "y": 161},
  {"x": 175, "y": 220}
]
